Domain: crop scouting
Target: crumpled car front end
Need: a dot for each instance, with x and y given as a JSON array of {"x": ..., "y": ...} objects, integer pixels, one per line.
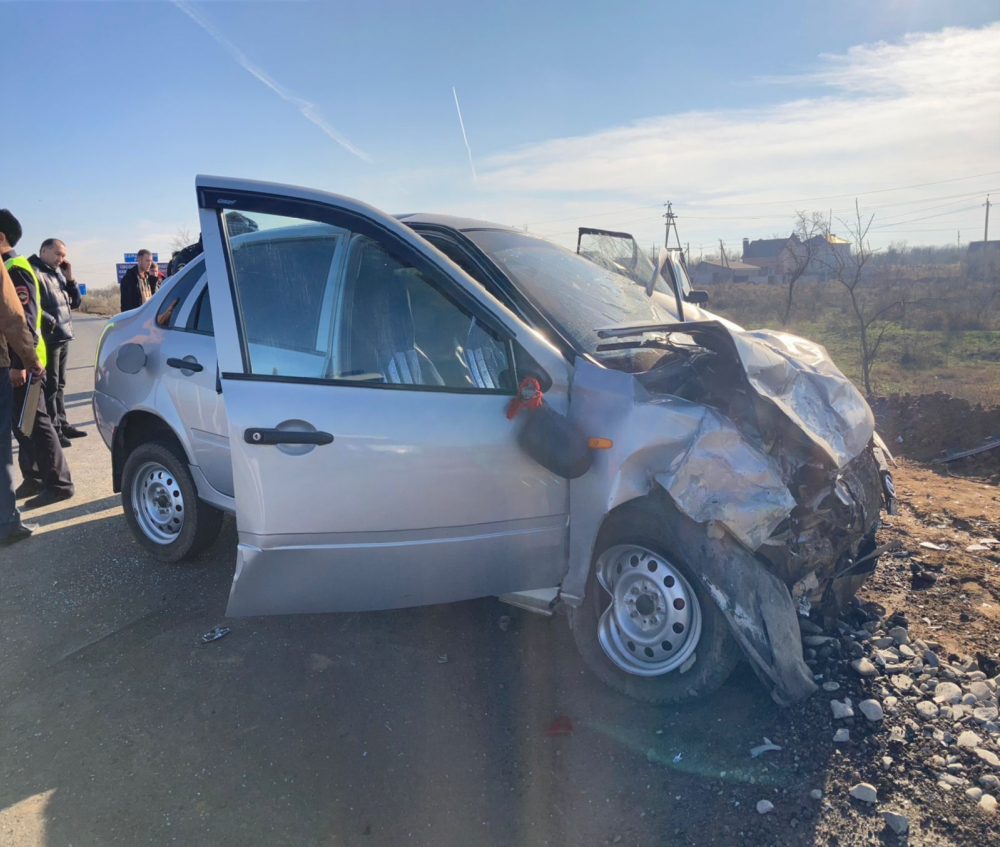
[{"x": 767, "y": 457}]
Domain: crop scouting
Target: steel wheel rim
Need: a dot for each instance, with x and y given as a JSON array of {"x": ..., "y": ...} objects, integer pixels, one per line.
[
  {"x": 157, "y": 503},
  {"x": 652, "y": 622}
]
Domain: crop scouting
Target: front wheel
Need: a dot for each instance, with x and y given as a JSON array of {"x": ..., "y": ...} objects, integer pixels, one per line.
[
  {"x": 646, "y": 626},
  {"x": 161, "y": 504}
]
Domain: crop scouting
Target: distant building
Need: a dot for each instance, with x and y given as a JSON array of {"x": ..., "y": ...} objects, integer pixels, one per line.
[
  {"x": 711, "y": 271},
  {"x": 984, "y": 247},
  {"x": 778, "y": 258},
  {"x": 774, "y": 256}
]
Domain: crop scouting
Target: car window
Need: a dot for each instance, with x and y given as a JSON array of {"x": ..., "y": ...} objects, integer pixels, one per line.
[
  {"x": 322, "y": 302},
  {"x": 396, "y": 327},
  {"x": 172, "y": 305},
  {"x": 201, "y": 315},
  {"x": 286, "y": 273}
]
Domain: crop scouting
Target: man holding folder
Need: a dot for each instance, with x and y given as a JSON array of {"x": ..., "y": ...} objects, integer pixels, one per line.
[
  {"x": 14, "y": 332},
  {"x": 40, "y": 456}
]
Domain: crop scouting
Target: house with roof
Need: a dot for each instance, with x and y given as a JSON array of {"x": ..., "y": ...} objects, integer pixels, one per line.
[
  {"x": 778, "y": 258},
  {"x": 710, "y": 271},
  {"x": 773, "y": 256}
]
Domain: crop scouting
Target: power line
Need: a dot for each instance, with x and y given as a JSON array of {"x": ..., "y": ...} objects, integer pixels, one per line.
[
  {"x": 849, "y": 194},
  {"x": 713, "y": 205}
]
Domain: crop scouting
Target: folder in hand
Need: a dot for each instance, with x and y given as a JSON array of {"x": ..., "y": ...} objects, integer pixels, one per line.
[{"x": 26, "y": 423}]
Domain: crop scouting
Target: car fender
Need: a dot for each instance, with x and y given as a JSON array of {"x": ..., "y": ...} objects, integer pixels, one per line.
[{"x": 702, "y": 470}]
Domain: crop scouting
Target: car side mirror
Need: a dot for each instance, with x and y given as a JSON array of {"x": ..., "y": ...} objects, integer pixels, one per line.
[{"x": 698, "y": 297}]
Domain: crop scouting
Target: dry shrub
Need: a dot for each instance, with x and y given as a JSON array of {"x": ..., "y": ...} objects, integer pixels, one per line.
[{"x": 102, "y": 301}]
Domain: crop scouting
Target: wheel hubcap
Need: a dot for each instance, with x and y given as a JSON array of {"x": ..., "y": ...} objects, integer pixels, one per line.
[
  {"x": 157, "y": 503},
  {"x": 652, "y": 622}
]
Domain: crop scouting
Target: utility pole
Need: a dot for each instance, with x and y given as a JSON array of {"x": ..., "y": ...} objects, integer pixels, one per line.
[
  {"x": 986, "y": 228},
  {"x": 671, "y": 224},
  {"x": 723, "y": 258}
]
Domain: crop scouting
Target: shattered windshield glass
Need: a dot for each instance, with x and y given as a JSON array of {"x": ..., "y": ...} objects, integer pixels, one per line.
[
  {"x": 620, "y": 252},
  {"x": 577, "y": 294}
]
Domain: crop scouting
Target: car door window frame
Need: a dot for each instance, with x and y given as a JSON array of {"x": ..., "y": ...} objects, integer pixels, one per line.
[
  {"x": 182, "y": 289},
  {"x": 313, "y": 212},
  {"x": 200, "y": 298}
]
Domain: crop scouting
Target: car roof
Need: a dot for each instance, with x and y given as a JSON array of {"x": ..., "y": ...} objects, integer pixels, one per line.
[{"x": 452, "y": 221}]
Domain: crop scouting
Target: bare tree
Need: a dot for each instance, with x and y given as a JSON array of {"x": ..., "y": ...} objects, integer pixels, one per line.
[
  {"x": 875, "y": 304},
  {"x": 802, "y": 248},
  {"x": 182, "y": 238}
]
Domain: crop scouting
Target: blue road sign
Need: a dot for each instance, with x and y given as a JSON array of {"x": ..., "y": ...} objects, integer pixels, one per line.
[{"x": 132, "y": 258}]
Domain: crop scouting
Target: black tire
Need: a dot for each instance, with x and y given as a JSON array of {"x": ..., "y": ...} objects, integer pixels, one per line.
[
  {"x": 201, "y": 522},
  {"x": 717, "y": 652}
]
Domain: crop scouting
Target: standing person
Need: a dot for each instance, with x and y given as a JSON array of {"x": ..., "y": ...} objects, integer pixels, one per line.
[
  {"x": 51, "y": 482},
  {"x": 60, "y": 295},
  {"x": 140, "y": 282},
  {"x": 14, "y": 333}
]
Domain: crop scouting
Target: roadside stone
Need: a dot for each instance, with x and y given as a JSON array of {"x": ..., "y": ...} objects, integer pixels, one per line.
[
  {"x": 886, "y": 763},
  {"x": 818, "y": 640},
  {"x": 930, "y": 657},
  {"x": 947, "y": 692},
  {"x": 969, "y": 739},
  {"x": 899, "y": 635},
  {"x": 974, "y": 793},
  {"x": 816, "y": 794},
  {"x": 865, "y": 792},
  {"x": 891, "y": 704},
  {"x": 988, "y": 803},
  {"x": 842, "y": 736},
  {"x": 969, "y": 700},
  {"x": 989, "y": 781},
  {"x": 831, "y": 686},
  {"x": 843, "y": 709},
  {"x": 883, "y": 642},
  {"x": 863, "y": 667},
  {"x": 897, "y": 823},
  {"x": 902, "y": 682},
  {"x": 988, "y": 757},
  {"x": 980, "y": 690},
  {"x": 927, "y": 710},
  {"x": 897, "y": 735},
  {"x": 765, "y": 806},
  {"x": 951, "y": 780},
  {"x": 872, "y": 710},
  {"x": 985, "y": 714},
  {"x": 907, "y": 652}
]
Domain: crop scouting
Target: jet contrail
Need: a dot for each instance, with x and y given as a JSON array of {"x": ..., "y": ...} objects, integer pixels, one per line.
[
  {"x": 465, "y": 138},
  {"x": 306, "y": 109}
]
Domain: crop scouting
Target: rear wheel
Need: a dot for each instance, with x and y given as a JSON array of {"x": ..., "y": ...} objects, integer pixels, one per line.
[
  {"x": 646, "y": 626},
  {"x": 161, "y": 504}
]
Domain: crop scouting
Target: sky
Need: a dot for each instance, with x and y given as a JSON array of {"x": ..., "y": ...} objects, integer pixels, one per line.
[{"x": 571, "y": 114}]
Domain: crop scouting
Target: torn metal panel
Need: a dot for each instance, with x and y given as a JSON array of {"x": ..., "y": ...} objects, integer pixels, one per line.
[{"x": 795, "y": 376}]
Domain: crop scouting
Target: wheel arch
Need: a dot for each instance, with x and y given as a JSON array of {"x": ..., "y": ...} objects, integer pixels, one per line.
[{"x": 135, "y": 428}]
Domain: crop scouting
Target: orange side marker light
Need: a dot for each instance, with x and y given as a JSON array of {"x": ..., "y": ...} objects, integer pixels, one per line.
[{"x": 600, "y": 443}]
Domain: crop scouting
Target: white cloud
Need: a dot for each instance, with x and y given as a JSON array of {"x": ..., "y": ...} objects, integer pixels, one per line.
[{"x": 923, "y": 109}]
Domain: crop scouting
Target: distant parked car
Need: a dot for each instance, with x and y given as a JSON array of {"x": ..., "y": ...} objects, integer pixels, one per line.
[{"x": 425, "y": 409}]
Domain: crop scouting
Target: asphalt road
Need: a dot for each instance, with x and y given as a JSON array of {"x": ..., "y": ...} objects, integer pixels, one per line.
[{"x": 116, "y": 727}]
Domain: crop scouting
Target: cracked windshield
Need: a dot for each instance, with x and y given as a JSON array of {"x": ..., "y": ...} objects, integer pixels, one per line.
[{"x": 398, "y": 449}]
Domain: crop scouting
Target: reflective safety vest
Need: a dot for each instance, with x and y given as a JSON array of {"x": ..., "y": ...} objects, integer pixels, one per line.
[{"x": 24, "y": 264}]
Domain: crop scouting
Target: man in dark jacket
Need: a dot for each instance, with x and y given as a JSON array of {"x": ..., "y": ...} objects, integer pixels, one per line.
[
  {"x": 39, "y": 456},
  {"x": 139, "y": 282},
  {"x": 60, "y": 295}
]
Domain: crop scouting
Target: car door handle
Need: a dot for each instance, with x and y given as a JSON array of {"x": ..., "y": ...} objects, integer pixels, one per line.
[
  {"x": 185, "y": 365},
  {"x": 285, "y": 436}
]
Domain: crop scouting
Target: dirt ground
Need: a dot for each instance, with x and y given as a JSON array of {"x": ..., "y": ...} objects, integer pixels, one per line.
[{"x": 117, "y": 727}]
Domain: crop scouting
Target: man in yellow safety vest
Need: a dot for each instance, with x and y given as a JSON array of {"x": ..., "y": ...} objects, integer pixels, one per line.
[{"x": 40, "y": 457}]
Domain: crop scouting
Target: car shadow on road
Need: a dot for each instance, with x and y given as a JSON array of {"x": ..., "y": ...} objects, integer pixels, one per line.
[{"x": 437, "y": 725}]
